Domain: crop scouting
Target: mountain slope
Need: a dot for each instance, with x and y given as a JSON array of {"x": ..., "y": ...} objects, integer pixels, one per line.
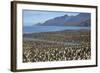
[{"x": 82, "y": 19}]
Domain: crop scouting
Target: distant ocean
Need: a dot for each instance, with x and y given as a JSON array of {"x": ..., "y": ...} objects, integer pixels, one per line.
[{"x": 36, "y": 29}]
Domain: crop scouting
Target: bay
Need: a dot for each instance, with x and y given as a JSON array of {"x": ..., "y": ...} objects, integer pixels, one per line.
[{"x": 36, "y": 29}]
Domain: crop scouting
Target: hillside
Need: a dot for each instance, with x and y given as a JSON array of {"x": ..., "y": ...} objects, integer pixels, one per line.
[{"x": 82, "y": 19}]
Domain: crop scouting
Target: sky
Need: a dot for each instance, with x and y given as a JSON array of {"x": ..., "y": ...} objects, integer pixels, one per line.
[{"x": 32, "y": 17}]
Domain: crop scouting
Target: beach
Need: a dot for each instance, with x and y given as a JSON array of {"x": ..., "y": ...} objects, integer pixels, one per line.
[{"x": 64, "y": 45}]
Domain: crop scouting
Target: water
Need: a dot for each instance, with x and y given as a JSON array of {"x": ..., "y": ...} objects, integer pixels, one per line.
[{"x": 35, "y": 29}]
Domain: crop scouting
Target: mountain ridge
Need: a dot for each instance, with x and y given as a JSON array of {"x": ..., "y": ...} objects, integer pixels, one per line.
[{"x": 82, "y": 19}]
